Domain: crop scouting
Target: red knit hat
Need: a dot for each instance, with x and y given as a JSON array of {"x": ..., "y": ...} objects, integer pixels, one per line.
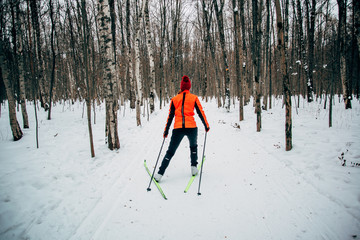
[{"x": 185, "y": 83}]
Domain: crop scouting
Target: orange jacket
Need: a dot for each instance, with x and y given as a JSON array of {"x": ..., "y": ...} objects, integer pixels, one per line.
[{"x": 182, "y": 107}]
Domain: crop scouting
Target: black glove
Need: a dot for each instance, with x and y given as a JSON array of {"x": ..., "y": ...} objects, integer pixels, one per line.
[
  {"x": 166, "y": 133},
  {"x": 207, "y": 129}
]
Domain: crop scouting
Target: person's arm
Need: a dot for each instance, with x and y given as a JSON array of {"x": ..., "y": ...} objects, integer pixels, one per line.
[
  {"x": 169, "y": 119},
  {"x": 201, "y": 114}
]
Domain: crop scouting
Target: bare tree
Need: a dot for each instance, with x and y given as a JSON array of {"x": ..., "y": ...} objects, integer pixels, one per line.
[
  {"x": 220, "y": 21},
  {"x": 208, "y": 17},
  {"x": 162, "y": 86},
  {"x": 139, "y": 87},
  {"x": 86, "y": 36},
  {"x": 150, "y": 51},
  {"x": 18, "y": 52},
  {"x": 310, "y": 16},
  {"x": 284, "y": 75},
  {"x": 39, "y": 56},
  {"x": 356, "y": 5},
  {"x": 53, "y": 56},
  {"x": 256, "y": 63},
  {"x": 237, "y": 38},
  {"x": 4, "y": 68},
  {"x": 110, "y": 83},
  {"x": 342, "y": 48}
]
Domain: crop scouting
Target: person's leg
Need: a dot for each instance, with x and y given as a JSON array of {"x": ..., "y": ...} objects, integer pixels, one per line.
[
  {"x": 192, "y": 136},
  {"x": 177, "y": 136}
]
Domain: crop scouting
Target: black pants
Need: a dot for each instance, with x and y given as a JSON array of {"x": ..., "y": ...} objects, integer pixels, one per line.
[{"x": 177, "y": 135}]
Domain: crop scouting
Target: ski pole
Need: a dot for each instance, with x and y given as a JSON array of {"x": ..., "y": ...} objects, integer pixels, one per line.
[
  {"x": 202, "y": 164},
  {"x": 152, "y": 176}
]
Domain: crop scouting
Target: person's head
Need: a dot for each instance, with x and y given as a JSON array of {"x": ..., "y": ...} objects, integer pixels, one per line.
[{"x": 185, "y": 83}]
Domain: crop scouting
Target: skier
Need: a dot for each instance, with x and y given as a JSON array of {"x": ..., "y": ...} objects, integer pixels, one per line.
[{"x": 182, "y": 107}]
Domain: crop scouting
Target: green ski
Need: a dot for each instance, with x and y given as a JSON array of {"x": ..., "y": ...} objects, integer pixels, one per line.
[
  {"x": 156, "y": 183},
  {"x": 193, "y": 177}
]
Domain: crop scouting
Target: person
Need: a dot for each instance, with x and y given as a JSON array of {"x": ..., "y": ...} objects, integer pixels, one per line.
[{"x": 182, "y": 108}]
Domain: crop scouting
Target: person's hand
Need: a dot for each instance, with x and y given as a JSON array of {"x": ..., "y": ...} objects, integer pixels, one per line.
[
  {"x": 165, "y": 134},
  {"x": 207, "y": 129}
]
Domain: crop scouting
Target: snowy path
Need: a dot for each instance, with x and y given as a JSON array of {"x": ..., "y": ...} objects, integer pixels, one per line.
[
  {"x": 250, "y": 196},
  {"x": 251, "y": 188}
]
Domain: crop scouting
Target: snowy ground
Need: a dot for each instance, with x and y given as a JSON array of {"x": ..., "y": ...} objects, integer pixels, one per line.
[{"x": 251, "y": 187}]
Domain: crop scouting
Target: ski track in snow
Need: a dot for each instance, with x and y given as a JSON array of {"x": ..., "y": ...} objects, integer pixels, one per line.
[{"x": 251, "y": 188}]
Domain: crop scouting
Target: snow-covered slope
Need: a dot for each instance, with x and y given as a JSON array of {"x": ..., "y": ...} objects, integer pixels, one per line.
[{"x": 251, "y": 187}]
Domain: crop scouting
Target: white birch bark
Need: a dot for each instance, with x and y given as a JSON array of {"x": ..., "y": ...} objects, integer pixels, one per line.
[
  {"x": 110, "y": 82},
  {"x": 137, "y": 68},
  {"x": 151, "y": 55}
]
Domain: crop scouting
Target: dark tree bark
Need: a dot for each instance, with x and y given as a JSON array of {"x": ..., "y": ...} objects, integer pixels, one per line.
[
  {"x": 162, "y": 46},
  {"x": 52, "y": 80},
  {"x": 207, "y": 14},
  {"x": 342, "y": 48},
  {"x": 255, "y": 47},
  {"x": 17, "y": 35},
  {"x": 39, "y": 59},
  {"x": 4, "y": 71},
  {"x": 284, "y": 75},
  {"x": 237, "y": 40},
  {"x": 88, "y": 99},
  {"x": 220, "y": 21},
  {"x": 310, "y": 15}
]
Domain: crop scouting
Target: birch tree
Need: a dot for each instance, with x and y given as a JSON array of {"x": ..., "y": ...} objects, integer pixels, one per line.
[
  {"x": 130, "y": 76},
  {"x": 110, "y": 83},
  {"x": 150, "y": 51},
  {"x": 137, "y": 66}
]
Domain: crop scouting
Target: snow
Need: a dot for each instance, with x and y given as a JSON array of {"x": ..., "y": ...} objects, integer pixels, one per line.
[{"x": 251, "y": 187}]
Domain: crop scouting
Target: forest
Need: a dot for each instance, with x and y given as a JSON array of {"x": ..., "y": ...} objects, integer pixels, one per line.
[{"x": 136, "y": 51}]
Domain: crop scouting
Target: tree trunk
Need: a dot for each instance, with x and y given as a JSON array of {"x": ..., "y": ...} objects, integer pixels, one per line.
[
  {"x": 129, "y": 57},
  {"x": 356, "y": 4},
  {"x": 86, "y": 35},
  {"x": 311, "y": 35},
  {"x": 256, "y": 41},
  {"x": 161, "y": 53},
  {"x": 285, "y": 76},
  {"x": 243, "y": 56},
  {"x": 39, "y": 63},
  {"x": 33, "y": 74},
  {"x": 220, "y": 21},
  {"x": 342, "y": 48},
  {"x": 208, "y": 21},
  {"x": 137, "y": 67},
  {"x": 4, "y": 66},
  {"x": 53, "y": 57},
  {"x": 151, "y": 56},
  {"x": 110, "y": 83},
  {"x": 174, "y": 48},
  {"x": 237, "y": 38},
  {"x": 19, "y": 58}
]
